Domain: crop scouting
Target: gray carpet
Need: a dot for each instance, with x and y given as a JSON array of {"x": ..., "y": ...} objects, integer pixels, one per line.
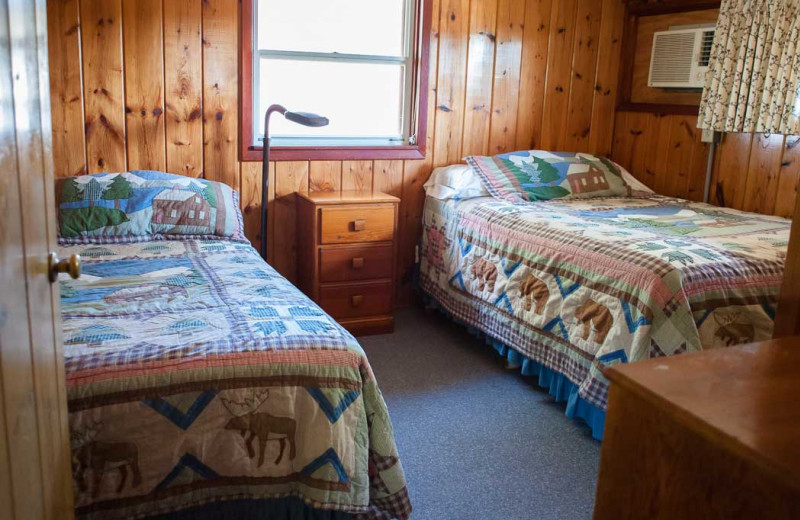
[{"x": 478, "y": 441}]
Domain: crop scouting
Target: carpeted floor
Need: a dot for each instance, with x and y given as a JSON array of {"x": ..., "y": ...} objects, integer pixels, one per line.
[{"x": 478, "y": 441}]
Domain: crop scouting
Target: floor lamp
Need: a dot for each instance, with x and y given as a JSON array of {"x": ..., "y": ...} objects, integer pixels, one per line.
[{"x": 302, "y": 118}]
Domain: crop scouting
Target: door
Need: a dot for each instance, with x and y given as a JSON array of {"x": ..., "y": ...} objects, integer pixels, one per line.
[{"x": 35, "y": 476}]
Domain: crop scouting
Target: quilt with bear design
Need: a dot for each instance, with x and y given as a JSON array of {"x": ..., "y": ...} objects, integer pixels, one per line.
[
  {"x": 578, "y": 285},
  {"x": 198, "y": 375}
]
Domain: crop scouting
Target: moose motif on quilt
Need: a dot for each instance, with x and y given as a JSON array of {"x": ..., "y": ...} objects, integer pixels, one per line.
[
  {"x": 592, "y": 313},
  {"x": 247, "y": 420},
  {"x": 102, "y": 456},
  {"x": 732, "y": 330}
]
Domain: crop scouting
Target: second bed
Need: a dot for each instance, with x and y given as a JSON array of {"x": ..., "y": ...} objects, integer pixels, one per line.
[{"x": 568, "y": 287}]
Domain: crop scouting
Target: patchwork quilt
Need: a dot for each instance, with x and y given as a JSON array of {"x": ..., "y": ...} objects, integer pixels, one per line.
[
  {"x": 198, "y": 375},
  {"x": 579, "y": 285}
]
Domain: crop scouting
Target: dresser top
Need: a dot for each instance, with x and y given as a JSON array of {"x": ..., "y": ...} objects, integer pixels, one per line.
[
  {"x": 745, "y": 398},
  {"x": 347, "y": 197}
]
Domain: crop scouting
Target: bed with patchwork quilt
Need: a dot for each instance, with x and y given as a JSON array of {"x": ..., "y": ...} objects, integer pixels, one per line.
[
  {"x": 568, "y": 286},
  {"x": 201, "y": 383}
]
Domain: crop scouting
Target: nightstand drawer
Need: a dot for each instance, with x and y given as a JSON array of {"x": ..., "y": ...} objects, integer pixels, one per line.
[
  {"x": 357, "y": 224},
  {"x": 351, "y": 301},
  {"x": 355, "y": 263}
]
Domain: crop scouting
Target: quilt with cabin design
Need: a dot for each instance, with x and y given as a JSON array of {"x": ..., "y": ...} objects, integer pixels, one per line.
[
  {"x": 199, "y": 378},
  {"x": 579, "y": 285}
]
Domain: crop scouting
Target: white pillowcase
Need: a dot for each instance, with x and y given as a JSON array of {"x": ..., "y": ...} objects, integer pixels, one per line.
[{"x": 459, "y": 181}]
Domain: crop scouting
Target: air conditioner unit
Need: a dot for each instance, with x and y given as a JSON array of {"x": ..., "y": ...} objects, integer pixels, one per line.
[{"x": 680, "y": 58}]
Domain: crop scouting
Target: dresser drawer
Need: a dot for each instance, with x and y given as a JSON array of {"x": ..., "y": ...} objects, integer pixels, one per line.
[
  {"x": 357, "y": 224},
  {"x": 352, "y": 301},
  {"x": 355, "y": 263}
]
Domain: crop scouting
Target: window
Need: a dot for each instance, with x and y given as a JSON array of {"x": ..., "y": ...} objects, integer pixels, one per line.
[{"x": 360, "y": 63}]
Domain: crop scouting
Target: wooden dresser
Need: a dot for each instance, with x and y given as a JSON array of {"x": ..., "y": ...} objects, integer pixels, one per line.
[
  {"x": 346, "y": 250},
  {"x": 714, "y": 434}
]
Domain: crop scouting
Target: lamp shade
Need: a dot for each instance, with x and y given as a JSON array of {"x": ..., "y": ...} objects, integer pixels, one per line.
[{"x": 306, "y": 118}]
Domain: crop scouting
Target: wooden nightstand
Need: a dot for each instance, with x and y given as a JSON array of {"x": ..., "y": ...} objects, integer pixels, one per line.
[{"x": 346, "y": 250}]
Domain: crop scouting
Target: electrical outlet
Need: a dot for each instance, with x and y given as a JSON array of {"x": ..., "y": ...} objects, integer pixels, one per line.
[{"x": 708, "y": 136}]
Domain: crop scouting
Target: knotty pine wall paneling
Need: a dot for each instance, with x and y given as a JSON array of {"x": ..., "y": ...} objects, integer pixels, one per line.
[
  {"x": 66, "y": 87},
  {"x": 751, "y": 172},
  {"x": 155, "y": 84},
  {"x": 144, "y": 82},
  {"x": 183, "y": 86},
  {"x": 103, "y": 85}
]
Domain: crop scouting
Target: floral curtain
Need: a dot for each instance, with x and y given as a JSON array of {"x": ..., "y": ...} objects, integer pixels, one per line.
[{"x": 753, "y": 83}]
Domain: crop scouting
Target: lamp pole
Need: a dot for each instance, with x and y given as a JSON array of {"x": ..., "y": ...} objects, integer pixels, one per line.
[
  {"x": 302, "y": 118},
  {"x": 265, "y": 177}
]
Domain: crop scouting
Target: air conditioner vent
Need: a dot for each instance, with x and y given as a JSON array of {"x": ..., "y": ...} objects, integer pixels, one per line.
[
  {"x": 672, "y": 57},
  {"x": 705, "y": 48}
]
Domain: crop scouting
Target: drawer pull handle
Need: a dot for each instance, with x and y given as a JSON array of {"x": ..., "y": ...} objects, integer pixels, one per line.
[
  {"x": 359, "y": 225},
  {"x": 356, "y": 300},
  {"x": 358, "y": 262}
]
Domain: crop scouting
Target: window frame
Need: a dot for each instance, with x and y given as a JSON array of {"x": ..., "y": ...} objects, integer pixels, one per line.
[{"x": 418, "y": 103}]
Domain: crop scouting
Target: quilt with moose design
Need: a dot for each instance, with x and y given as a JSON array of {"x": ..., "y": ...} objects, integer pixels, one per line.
[
  {"x": 198, "y": 376},
  {"x": 578, "y": 285}
]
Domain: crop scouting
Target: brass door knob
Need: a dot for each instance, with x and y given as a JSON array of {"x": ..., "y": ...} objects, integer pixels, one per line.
[{"x": 71, "y": 265}]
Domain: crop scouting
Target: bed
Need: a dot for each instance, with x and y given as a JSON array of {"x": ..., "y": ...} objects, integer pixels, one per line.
[
  {"x": 567, "y": 287},
  {"x": 200, "y": 382}
]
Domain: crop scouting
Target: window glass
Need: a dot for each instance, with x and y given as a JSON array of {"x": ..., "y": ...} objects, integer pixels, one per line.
[
  {"x": 360, "y": 100},
  {"x": 375, "y": 27}
]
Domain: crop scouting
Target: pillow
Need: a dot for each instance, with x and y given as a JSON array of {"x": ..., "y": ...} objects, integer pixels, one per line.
[
  {"x": 539, "y": 175},
  {"x": 146, "y": 203},
  {"x": 636, "y": 185},
  {"x": 457, "y": 181}
]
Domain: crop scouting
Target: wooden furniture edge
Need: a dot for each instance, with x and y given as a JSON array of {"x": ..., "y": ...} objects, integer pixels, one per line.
[
  {"x": 787, "y": 320},
  {"x": 688, "y": 419},
  {"x": 369, "y": 325},
  {"x": 322, "y": 198}
]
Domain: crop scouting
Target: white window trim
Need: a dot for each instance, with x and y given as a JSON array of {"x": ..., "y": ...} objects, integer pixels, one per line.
[{"x": 406, "y": 106}]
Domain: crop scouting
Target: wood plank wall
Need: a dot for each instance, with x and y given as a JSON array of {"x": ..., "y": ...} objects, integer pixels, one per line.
[
  {"x": 153, "y": 84},
  {"x": 752, "y": 172}
]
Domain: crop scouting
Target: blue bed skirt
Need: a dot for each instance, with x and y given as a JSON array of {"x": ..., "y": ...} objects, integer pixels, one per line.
[{"x": 557, "y": 384}]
